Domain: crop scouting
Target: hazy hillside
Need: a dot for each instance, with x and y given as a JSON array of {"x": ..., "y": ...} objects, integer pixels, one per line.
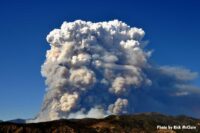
[
  {"x": 141, "y": 123},
  {"x": 17, "y": 121}
]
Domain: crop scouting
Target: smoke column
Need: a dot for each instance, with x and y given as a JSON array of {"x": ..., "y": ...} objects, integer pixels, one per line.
[{"x": 99, "y": 69}]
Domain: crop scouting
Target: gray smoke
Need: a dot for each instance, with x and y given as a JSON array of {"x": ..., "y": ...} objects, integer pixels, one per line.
[{"x": 98, "y": 69}]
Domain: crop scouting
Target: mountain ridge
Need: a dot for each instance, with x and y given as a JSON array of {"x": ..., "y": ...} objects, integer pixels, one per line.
[{"x": 145, "y": 122}]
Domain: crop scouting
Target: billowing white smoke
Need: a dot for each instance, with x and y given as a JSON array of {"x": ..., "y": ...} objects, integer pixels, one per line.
[{"x": 94, "y": 70}]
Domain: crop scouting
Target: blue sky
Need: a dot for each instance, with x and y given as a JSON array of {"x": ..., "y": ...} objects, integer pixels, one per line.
[{"x": 172, "y": 27}]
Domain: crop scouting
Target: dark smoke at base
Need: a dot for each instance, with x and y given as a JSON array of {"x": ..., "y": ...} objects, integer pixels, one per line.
[{"x": 99, "y": 69}]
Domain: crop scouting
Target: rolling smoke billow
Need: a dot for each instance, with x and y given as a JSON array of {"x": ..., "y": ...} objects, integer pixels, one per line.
[{"x": 99, "y": 69}]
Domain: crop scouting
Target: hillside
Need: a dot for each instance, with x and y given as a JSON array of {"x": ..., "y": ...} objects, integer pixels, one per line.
[{"x": 139, "y": 123}]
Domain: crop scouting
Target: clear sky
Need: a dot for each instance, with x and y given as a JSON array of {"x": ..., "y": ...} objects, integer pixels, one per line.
[{"x": 171, "y": 26}]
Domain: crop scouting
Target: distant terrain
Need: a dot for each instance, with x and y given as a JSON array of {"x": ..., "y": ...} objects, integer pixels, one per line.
[{"x": 138, "y": 123}]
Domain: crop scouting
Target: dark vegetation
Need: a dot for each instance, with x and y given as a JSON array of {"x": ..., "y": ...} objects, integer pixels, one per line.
[{"x": 139, "y": 123}]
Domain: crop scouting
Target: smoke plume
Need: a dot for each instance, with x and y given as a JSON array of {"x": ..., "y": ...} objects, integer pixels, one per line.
[{"x": 99, "y": 69}]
